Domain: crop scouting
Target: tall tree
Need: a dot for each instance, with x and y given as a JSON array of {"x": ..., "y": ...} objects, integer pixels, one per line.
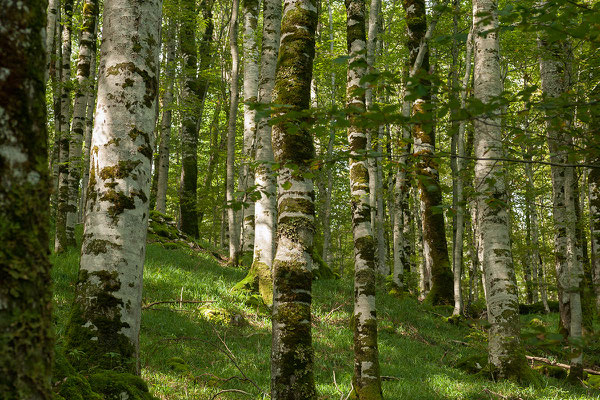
[
  {"x": 85, "y": 85},
  {"x": 366, "y": 379},
  {"x": 65, "y": 235},
  {"x": 291, "y": 351},
  {"x": 188, "y": 183},
  {"x": 234, "y": 229},
  {"x": 165, "y": 123},
  {"x": 250, "y": 48},
  {"x": 26, "y": 345},
  {"x": 105, "y": 316},
  {"x": 266, "y": 208},
  {"x": 423, "y": 131},
  {"x": 505, "y": 350}
]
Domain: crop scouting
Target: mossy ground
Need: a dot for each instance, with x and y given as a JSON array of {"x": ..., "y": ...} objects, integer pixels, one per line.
[{"x": 183, "y": 357}]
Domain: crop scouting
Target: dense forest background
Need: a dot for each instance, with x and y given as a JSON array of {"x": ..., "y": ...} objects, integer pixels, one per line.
[{"x": 205, "y": 169}]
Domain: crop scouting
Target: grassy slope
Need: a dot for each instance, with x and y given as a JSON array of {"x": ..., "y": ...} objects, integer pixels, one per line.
[{"x": 416, "y": 345}]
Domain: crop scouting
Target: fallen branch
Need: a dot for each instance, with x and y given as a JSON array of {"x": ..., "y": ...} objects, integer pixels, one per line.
[
  {"x": 326, "y": 317},
  {"x": 147, "y": 306},
  {"x": 230, "y": 390},
  {"x": 560, "y": 365}
]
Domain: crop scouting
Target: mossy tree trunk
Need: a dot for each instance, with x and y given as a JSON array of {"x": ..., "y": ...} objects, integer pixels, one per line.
[
  {"x": 265, "y": 208},
  {"x": 83, "y": 95},
  {"x": 165, "y": 124},
  {"x": 366, "y": 379},
  {"x": 506, "y": 354},
  {"x": 26, "y": 344},
  {"x": 188, "y": 183},
  {"x": 65, "y": 235},
  {"x": 594, "y": 198},
  {"x": 292, "y": 352},
  {"x": 106, "y": 311},
  {"x": 423, "y": 131},
  {"x": 250, "y": 48}
]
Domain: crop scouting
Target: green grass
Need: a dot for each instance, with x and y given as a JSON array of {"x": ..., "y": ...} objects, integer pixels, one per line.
[{"x": 186, "y": 349}]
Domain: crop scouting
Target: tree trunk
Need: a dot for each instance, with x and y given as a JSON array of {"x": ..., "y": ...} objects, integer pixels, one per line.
[
  {"x": 458, "y": 195},
  {"x": 51, "y": 24},
  {"x": 188, "y": 183},
  {"x": 65, "y": 235},
  {"x": 266, "y": 207},
  {"x": 250, "y": 48},
  {"x": 423, "y": 130},
  {"x": 83, "y": 94},
  {"x": 366, "y": 379},
  {"x": 106, "y": 312},
  {"x": 89, "y": 127},
  {"x": 505, "y": 350},
  {"x": 26, "y": 337},
  {"x": 292, "y": 352},
  {"x": 165, "y": 126},
  {"x": 594, "y": 198},
  {"x": 234, "y": 231}
]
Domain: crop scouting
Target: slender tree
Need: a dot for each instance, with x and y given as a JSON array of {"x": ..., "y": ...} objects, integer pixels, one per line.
[
  {"x": 266, "y": 207},
  {"x": 105, "y": 316},
  {"x": 65, "y": 235},
  {"x": 505, "y": 351},
  {"x": 85, "y": 85},
  {"x": 26, "y": 344},
  {"x": 366, "y": 380},
  {"x": 234, "y": 229},
  {"x": 291, "y": 351},
  {"x": 250, "y": 49},
  {"x": 165, "y": 124}
]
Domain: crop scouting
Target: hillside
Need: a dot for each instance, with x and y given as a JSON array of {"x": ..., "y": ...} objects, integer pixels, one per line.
[{"x": 216, "y": 340}]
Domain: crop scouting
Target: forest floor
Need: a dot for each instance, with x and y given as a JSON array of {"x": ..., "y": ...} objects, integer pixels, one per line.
[{"x": 206, "y": 342}]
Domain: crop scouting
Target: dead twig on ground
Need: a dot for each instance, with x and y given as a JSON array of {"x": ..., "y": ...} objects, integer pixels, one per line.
[
  {"x": 230, "y": 390},
  {"x": 560, "y": 365},
  {"x": 147, "y": 306}
]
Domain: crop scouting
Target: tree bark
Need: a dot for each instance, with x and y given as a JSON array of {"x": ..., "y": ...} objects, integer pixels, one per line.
[
  {"x": 250, "y": 48},
  {"x": 89, "y": 127},
  {"x": 366, "y": 379},
  {"x": 26, "y": 337},
  {"x": 423, "y": 130},
  {"x": 106, "y": 312},
  {"x": 83, "y": 95},
  {"x": 234, "y": 231},
  {"x": 65, "y": 235},
  {"x": 505, "y": 349},
  {"x": 292, "y": 352},
  {"x": 165, "y": 125},
  {"x": 266, "y": 207}
]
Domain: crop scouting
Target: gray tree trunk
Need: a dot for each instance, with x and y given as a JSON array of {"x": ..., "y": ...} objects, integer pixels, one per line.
[
  {"x": 165, "y": 125},
  {"x": 26, "y": 334},
  {"x": 106, "y": 312},
  {"x": 65, "y": 236},
  {"x": 291, "y": 351},
  {"x": 234, "y": 229}
]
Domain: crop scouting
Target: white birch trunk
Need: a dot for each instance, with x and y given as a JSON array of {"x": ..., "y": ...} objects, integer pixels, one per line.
[
  {"x": 505, "y": 351},
  {"x": 107, "y": 306},
  {"x": 265, "y": 217},
  {"x": 83, "y": 94},
  {"x": 366, "y": 380},
  {"x": 250, "y": 48},
  {"x": 89, "y": 127}
]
